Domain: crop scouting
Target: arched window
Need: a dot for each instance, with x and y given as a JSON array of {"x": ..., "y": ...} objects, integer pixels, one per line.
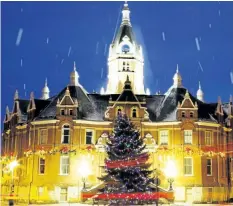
[
  {"x": 183, "y": 114},
  {"x": 65, "y": 139},
  {"x": 134, "y": 113}
]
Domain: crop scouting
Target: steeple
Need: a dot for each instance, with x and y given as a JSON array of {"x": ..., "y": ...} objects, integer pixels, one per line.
[
  {"x": 125, "y": 58},
  {"x": 177, "y": 79},
  {"x": 200, "y": 93},
  {"x": 74, "y": 77},
  {"x": 45, "y": 91},
  {"x": 126, "y": 15}
]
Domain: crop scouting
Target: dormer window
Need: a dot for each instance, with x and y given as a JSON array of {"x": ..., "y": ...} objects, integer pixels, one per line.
[
  {"x": 71, "y": 112},
  {"x": 62, "y": 112},
  {"x": 191, "y": 114},
  {"x": 183, "y": 114}
]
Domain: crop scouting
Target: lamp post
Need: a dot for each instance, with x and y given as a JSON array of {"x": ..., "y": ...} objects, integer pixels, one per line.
[
  {"x": 171, "y": 173},
  {"x": 84, "y": 170},
  {"x": 12, "y": 166}
]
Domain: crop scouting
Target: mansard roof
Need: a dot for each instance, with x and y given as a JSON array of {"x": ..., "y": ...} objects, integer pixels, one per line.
[{"x": 93, "y": 106}]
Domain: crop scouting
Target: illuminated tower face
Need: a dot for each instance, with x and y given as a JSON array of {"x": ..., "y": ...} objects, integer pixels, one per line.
[{"x": 125, "y": 59}]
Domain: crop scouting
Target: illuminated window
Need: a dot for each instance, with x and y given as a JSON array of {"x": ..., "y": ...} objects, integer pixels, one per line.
[
  {"x": 40, "y": 191},
  {"x": 64, "y": 165},
  {"x": 41, "y": 166},
  {"x": 134, "y": 113},
  {"x": 65, "y": 134},
  {"x": 188, "y": 136},
  {"x": 188, "y": 166},
  {"x": 209, "y": 167},
  {"x": 62, "y": 112},
  {"x": 208, "y": 138},
  {"x": 89, "y": 136},
  {"x": 43, "y": 136},
  {"x": 164, "y": 137},
  {"x": 183, "y": 114}
]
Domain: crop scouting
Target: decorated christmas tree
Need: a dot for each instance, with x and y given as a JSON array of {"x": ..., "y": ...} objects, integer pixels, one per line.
[{"x": 127, "y": 179}]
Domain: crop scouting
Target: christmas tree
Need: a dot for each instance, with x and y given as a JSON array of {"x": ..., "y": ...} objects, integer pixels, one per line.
[{"x": 128, "y": 179}]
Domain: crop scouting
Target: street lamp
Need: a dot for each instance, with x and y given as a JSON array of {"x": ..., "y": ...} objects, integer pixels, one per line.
[
  {"x": 12, "y": 166},
  {"x": 171, "y": 173},
  {"x": 84, "y": 170}
]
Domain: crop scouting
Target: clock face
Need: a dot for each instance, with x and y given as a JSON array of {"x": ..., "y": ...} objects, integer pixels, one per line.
[{"x": 125, "y": 48}]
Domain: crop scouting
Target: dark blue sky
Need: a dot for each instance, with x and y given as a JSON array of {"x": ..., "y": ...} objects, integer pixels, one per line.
[{"x": 87, "y": 27}]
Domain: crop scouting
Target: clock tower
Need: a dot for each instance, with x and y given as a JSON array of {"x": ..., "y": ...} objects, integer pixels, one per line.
[{"x": 125, "y": 59}]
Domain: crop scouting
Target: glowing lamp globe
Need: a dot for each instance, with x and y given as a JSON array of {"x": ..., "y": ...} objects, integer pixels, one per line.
[
  {"x": 170, "y": 170},
  {"x": 13, "y": 164}
]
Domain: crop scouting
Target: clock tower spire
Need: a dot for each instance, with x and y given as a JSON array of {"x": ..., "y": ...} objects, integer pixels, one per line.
[{"x": 125, "y": 58}]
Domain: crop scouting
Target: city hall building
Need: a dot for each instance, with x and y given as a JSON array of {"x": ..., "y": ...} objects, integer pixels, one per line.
[{"x": 59, "y": 142}]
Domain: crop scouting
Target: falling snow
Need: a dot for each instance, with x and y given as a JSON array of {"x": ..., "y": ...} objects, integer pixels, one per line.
[
  {"x": 21, "y": 62},
  {"x": 105, "y": 49},
  {"x": 200, "y": 66},
  {"x": 197, "y": 44},
  {"x": 47, "y": 40},
  {"x": 24, "y": 86},
  {"x": 102, "y": 71},
  {"x": 97, "y": 46},
  {"x": 231, "y": 74},
  {"x": 69, "y": 51},
  {"x": 62, "y": 61},
  {"x": 21, "y": 9},
  {"x": 163, "y": 35},
  {"x": 219, "y": 12},
  {"x": 210, "y": 26},
  {"x": 19, "y": 37}
]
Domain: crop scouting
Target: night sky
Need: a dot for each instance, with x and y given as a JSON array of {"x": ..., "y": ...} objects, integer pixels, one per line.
[{"x": 55, "y": 34}]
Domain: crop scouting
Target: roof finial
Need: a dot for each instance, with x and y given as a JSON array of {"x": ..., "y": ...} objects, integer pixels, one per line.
[
  {"x": 177, "y": 79},
  {"x": 231, "y": 99},
  {"x": 32, "y": 95},
  {"x": 125, "y": 14},
  {"x": 45, "y": 90},
  {"x": 67, "y": 93},
  {"x": 74, "y": 77},
  {"x": 127, "y": 78},
  {"x": 16, "y": 95},
  {"x": 200, "y": 93}
]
